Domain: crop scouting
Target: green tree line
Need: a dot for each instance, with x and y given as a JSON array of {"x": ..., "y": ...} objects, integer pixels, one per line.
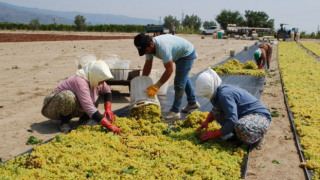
[
  {"x": 190, "y": 24},
  {"x": 64, "y": 27}
]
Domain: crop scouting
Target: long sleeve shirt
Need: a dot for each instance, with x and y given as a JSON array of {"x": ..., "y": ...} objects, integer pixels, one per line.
[
  {"x": 236, "y": 103},
  {"x": 86, "y": 95}
]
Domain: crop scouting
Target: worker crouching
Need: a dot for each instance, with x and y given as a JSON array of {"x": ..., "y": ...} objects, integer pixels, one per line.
[
  {"x": 78, "y": 96},
  {"x": 236, "y": 110}
]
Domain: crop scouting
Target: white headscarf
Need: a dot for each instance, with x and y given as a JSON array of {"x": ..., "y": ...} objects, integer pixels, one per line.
[
  {"x": 95, "y": 72},
  {"x": 207, "y": 83}
]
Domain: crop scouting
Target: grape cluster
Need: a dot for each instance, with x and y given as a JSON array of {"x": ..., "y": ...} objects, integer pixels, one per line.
[{"x": 235, "y": 67}]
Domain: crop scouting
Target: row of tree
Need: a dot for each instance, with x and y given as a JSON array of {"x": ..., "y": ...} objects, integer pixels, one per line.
[
  {"x": 194, "y": 23},
  {"x": 250, "y": 19},
  {"x": 189, "y": 24}
]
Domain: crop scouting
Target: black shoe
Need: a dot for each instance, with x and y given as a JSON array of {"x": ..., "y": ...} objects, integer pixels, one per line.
[
  {"x": 234, "y": 140},
  {"x": 64, "y": 124}
]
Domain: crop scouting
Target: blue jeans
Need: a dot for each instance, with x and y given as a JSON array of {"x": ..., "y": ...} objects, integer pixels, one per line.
[{"x": 182, "y": 82}]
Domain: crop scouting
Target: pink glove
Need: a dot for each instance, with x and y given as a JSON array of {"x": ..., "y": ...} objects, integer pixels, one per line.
[
  {"x": 104, "y": 122},
  {"x": 108, "y": 112},
  {"x": 208, "y": 120},
  {"x": 211, "y": 135},
  {"x": 260, "y": 67}
]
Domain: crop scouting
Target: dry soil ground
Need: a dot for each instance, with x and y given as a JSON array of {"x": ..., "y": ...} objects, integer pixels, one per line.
[{"x": 34, "y": 63}]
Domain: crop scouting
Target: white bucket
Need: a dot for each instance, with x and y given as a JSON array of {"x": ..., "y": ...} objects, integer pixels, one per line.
[
  {"x": 298, "y": 37},
  {"x": 292, "y": 36},
  {"x": 82, "y": 60},
  {"x": 138, "y": 92},
  {"x": 119, "y": 68},
  {"x": 155, "y": 75},
  {"x": 254, "y": 36},
  {"x": 232, "y": 52}
]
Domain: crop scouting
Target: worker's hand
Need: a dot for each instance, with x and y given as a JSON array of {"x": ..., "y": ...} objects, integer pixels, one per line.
[
  {"x": 104, "y": 122},
  {"x": 208, "y": 120},
  {"x": 152, "y": 90},
  {"x": 260, "y": 67},
  {"x": 211, "y": 135},
  {"x": 108, "y": 112}
]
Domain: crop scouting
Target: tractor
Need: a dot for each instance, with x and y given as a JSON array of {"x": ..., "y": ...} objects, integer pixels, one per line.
[{"x": 283, "y": 33}]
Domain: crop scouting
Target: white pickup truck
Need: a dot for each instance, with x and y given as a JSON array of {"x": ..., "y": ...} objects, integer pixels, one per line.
[{"x": 211, "y": 30}]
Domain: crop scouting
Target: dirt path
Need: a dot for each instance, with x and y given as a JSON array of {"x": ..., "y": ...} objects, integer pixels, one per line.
[{"x": 279, "y": 142}]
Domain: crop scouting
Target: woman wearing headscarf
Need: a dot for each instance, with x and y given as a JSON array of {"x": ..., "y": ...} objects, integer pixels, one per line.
[
  {"x": 236, "y": 110},
  {"x": 78, "y": 95}
]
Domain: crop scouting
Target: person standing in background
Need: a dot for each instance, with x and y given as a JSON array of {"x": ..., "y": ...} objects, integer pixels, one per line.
[{"x": 173, "y": 29}]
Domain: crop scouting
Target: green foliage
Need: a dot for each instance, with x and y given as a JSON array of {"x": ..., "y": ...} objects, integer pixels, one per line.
[
  {"x": 129, "y": 170},
  {"x": 312, "y": 35},
  {"x": 318, "y": 35},
  {"x": 230, "y": 17},
  {"x": 34, "y": 24},
  {"x": 80, "y": 23},
  {"x": 193, "y": 22},
  {"x": 187, "y": 30},
  {"x": 190, "y": 171},
  {"x": 33, "y": 140},
  {"x": 275, "y": 113},
  {"x": 58, "y": 138},
  {"x": 258, "y": 19},
  {"x": 207, "y": 24},
  {"x": 169, "y": 21},
  {"x": 276, "y": 161},
  {"x": 89, "y": 174}
]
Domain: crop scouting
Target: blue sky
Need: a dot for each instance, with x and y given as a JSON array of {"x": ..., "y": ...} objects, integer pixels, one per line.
[{"x": 303, "y": 14}]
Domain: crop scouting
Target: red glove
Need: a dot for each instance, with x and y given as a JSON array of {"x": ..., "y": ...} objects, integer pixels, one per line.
[
  {"x": 104, "y": 122},
  {"x": 260, "y": 67},
  {"x": 108, "y": 112},
  {"x": 211, "y": 135},
  {"x": 208, "y": 120}
]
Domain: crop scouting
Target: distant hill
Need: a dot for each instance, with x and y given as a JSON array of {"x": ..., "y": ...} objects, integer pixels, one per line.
[{"x": 17, "y": 14}]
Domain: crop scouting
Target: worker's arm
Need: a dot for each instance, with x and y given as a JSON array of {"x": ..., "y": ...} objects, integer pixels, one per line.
[
  {"x": 167, "y": 73},
  {"x": 153, "y": 89},
  {"x": 264, "y": 58},
  {"x": 147, "y": 67}
]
